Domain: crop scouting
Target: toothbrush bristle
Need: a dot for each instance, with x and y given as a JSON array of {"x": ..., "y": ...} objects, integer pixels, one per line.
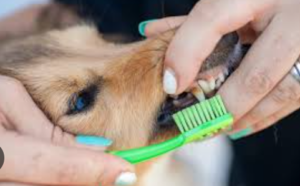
[{"x": 199, "y": 114}]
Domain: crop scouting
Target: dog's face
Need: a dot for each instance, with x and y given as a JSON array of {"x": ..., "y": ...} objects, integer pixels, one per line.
[{"x": 88, "y": 86}]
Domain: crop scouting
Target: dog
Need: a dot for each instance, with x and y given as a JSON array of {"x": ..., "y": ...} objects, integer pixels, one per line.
[{"x": 87, "y": 85}]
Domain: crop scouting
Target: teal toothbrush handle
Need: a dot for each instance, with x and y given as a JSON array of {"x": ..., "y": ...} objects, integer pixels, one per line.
[{"x": 138, "y": 155}]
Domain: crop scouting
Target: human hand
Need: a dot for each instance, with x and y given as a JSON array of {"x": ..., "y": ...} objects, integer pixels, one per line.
[
  {"x": 259, "y": 92},
  {"x": 40, "y": 153}
]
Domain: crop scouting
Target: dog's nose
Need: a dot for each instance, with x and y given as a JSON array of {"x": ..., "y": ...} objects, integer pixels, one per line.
[
  {"x": 171, "y": 106},
  {"x": 165, "y": 120}
]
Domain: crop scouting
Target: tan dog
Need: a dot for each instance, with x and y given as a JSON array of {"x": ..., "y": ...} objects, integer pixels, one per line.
[{"x": 89, "y": 86}]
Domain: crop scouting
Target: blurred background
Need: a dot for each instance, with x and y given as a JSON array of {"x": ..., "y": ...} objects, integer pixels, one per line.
[
  {"x": 7, "y": 7},
  {"x": 271, "y": 157}
]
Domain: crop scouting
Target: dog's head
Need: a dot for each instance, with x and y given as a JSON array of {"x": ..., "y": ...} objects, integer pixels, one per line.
[{"x": 88, "y": 86}]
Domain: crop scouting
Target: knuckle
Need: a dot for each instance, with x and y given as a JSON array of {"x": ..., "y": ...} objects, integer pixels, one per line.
[
  {"x": 169, "y": 23},
  {"x": 101, "y": 173},
  {"x": 254, "y": 116},
  {"x": 67, "y": 173},
  {"x": 258, "y": 83},
  {"x": 285, "y": 94}
]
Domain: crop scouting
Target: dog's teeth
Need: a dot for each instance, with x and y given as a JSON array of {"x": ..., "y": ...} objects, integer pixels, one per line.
[
  {"x": 218, "y": 83},
  {"x": 176, "y": 103},
  {"x": 220, "y": 80},
  {"x": 205, "y": 86},
  {"x": 226, "y": 72},
  {"x": 212, "y": 84},
  {"x": 198, "y": 93},
  {"x": 189, "y": 95},
  {"x": 221, "y": 77}
]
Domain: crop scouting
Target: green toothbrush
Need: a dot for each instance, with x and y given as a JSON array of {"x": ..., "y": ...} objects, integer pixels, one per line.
[{"x": 195, "y": 123}]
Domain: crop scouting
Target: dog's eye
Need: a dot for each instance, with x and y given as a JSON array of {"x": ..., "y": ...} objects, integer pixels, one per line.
[{"x": 83, "y": 100}]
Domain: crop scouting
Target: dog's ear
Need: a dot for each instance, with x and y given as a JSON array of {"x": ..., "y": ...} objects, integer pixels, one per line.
[
  {"x": 37, "y": 19},
  {"x": 57, "y": 16}
]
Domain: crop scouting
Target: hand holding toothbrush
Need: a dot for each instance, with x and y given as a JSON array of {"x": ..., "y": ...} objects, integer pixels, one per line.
[{"x": 261, "y": 91}]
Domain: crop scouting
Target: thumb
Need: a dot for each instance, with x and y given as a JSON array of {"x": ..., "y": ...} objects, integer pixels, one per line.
[
  {"x": 19, "y": 116},
  {"x": 197, "y": 37},
  {"x": 36, "y": 162}
]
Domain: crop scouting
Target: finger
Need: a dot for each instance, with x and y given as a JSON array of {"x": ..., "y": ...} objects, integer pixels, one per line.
[
  {"x": 25, "y": 116},
  {"x": 284, "y": 112},
  {"x": 199, "y": 34},
  {"x": 268, "y": 61},
  {"x": 266, "y": 122},
  {"x": 163, "y": 25},
  {"x": 62, "y": 138},
  {"x": 31, "y": 161},
  {"x": 285, "y": 93}
]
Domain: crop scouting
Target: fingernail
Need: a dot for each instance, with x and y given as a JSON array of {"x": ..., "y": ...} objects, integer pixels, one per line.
[
  {"x": 169, "y": 82},
  {"x": 241, "y": 134},
  {"x": 142, "y": 26},
  {"x": 93, "y": 141},
  {"x": 126, "y": 179}
]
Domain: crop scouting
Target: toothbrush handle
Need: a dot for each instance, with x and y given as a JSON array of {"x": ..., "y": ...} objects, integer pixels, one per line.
[{"x": 138, "y": 155}]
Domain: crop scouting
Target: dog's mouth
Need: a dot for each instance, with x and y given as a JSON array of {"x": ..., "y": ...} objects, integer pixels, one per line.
[{"x": 207, "y": 83}]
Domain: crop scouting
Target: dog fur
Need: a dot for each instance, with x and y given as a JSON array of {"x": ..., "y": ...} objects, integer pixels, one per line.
[{"x": 56, "y": 64}]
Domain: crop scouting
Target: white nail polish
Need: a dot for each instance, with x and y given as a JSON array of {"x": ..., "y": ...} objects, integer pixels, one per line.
[
  {"x": 126, "y": 179},
  {"x": 169, "y": 82}
]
